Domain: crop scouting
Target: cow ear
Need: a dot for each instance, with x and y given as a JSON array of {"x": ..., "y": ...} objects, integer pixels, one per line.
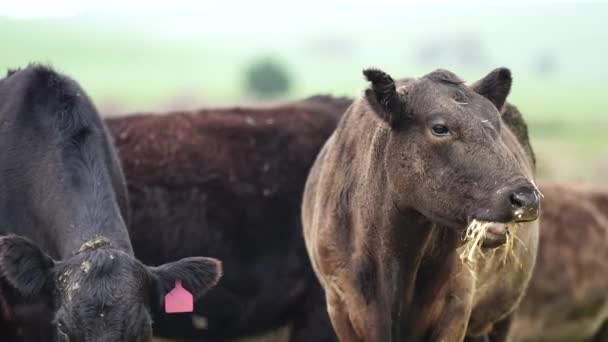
[
  {"x": 383, "y": 97},
  {"x": 24, "y": 266},
  {"x": 495, "y": 86},
  {"x": 197, "y": 274}
]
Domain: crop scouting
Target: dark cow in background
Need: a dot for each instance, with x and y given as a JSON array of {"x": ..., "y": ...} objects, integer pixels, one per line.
[
  {"x": 410, "y": 164},
  {"x": 228, "y": 183},
  {"x": 67, "y": 270},
  {"x": 567, "y": 299}
]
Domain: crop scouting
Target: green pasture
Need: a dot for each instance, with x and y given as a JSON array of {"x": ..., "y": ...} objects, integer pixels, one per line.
[{"x": 128, "y": 67}]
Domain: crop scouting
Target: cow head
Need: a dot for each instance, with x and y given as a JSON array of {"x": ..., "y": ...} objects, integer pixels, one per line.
[
  {"x": 100, "y": 293},
  {"x": 449, "y": 154}
]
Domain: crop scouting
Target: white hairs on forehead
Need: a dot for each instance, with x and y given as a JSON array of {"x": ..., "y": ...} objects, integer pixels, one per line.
[{"x": 403, "y": 88}]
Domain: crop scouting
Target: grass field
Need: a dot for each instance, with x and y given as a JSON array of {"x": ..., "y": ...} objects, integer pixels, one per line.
[{"x": 139, "y": 64}]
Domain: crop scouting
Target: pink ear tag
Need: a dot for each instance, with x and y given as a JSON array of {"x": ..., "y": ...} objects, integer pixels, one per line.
[{"x": 179, "y": 299}]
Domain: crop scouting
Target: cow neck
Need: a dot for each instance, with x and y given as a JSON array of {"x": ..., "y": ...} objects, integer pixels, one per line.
[
  {"x": 93, "y": 214},
  {"x": 423, "y": 258}
]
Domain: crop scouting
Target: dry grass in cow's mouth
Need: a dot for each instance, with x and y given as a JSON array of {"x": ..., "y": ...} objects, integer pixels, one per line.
[{"x": 477, "y": 232}]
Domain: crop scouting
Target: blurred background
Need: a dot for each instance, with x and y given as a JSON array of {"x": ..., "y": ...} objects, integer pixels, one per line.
[{"x": 134, "y": 56}]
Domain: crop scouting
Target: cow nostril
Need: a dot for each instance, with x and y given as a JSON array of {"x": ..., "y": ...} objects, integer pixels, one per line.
[
  {"x": 518, "y": 200},
  {"x": 526, "y": 200}
]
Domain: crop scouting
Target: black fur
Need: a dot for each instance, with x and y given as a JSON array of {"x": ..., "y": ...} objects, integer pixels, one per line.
[
  {"x": 495, "y": 86},
  {"x": 62, "y": 188},
  {"x": 9, "y": 72},
  {"x": 445, "y": 76},
  {"x": 232, "y": 192},
  {"x": 23, "y": 265},
  {"x": 383, "y": 94},
  {"x": 188, "y": 271},
  {"x": 512, "y": 117}
]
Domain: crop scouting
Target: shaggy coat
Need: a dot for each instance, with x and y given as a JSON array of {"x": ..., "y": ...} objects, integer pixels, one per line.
[{"x": 228, "y": 183}]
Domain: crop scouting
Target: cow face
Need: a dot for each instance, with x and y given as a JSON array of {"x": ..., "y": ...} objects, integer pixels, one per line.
[
  {"x": 449, "y": 154},
  {"x": 100, "y": 293}
]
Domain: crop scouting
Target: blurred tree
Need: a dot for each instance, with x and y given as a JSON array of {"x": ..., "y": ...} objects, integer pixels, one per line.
[
  {"x": 266, "y": 78},
  {"x": 465, "y": 48},
  {"x": 546, "y": 64}
]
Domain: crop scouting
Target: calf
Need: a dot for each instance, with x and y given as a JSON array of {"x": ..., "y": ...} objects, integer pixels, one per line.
[
  {"x": 67, "y": 270},
  {"x": 387, "y": 201},
  {"x": 567, "y": 299}
]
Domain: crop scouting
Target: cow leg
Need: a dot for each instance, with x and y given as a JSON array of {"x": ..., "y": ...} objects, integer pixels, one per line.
[
  {"x": 340, "y": 319},
  {"x": 454, "y": 322},
  {"x": 454, "y": 329}
]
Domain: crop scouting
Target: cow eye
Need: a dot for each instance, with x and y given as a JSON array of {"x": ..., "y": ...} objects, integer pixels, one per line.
[{"x": 440, "y": 130}]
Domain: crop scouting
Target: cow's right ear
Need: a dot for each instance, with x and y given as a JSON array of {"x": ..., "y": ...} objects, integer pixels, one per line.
[
  {"x": 383, "y": 97},
  {"x": 24, "y": 266}
]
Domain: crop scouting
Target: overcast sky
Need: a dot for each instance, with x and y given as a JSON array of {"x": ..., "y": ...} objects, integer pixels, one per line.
[{"x": 69, "y": 8}]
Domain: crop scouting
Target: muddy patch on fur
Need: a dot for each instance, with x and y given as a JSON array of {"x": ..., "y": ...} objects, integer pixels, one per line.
[{"x": 95, "y": 244}]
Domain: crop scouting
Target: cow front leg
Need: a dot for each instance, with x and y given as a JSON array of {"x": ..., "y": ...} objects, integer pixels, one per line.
[
  {"x": 452, "y": 327},
  {"x": 340, "y": 320}
]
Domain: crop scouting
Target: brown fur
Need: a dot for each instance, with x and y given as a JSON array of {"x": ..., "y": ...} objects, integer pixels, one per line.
[
  {"x": 384, "y": 208},
  {"x": 156, "y": 213},
  {"x": 568, "y": 295},
  {"x": 228, "y": 183}
]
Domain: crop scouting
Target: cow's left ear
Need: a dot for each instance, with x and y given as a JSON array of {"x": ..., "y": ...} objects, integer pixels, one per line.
[
  {"x": 495, "y": 86},
  {"x": 24, "y": 266},
  {"x": 197, "y": 274}
]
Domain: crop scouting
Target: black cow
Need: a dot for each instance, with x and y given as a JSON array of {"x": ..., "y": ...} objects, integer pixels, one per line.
[{"x": 67, "y": 270}]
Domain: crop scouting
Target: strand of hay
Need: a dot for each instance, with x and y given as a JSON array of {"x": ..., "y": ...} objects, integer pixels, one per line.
[
  {"x": 471, "y": 251},
  {"x": 537, "y": 189}
]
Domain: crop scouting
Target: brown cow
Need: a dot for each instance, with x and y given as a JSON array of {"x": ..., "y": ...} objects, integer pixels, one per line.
[
  {"x": 229, "y": 183},
  {"x": 155, "y": 186},
  {"x": 567, "y": 299},
  {"x": 390, "y": 194}
]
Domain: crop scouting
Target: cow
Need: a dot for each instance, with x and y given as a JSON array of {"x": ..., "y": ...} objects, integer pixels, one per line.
[
  {"x": 228, "y": 183},
  {"x": 163, "y": 197},
  {"x": 567, "y": 299},
  {"x": 410, "y": 165},
  {"x": 67, "y": 268}
]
